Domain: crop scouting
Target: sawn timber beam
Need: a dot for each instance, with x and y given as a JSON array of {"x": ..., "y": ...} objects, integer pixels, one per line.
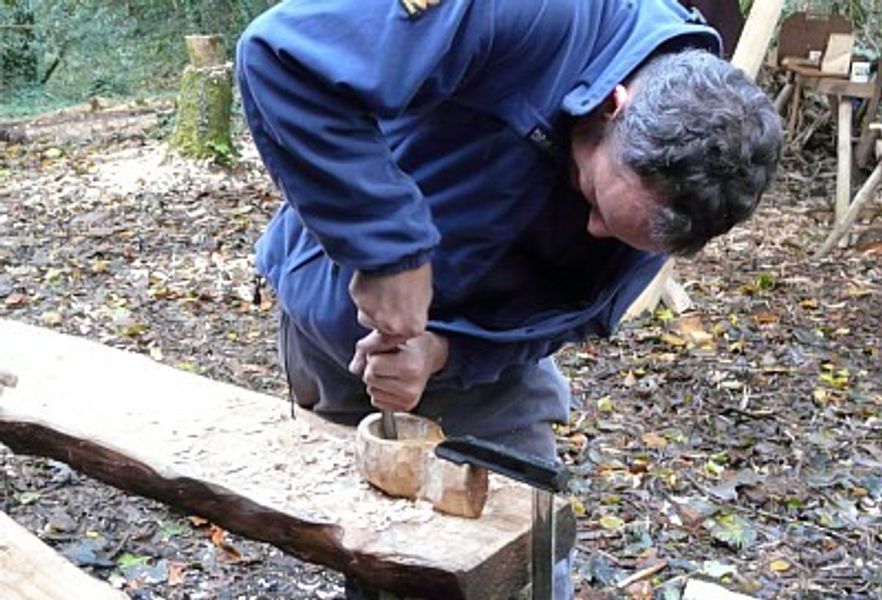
[{"x": 237, "y": 458}]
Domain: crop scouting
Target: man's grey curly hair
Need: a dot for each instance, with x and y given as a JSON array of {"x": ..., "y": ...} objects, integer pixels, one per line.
[{"x": 706, "y": 137}]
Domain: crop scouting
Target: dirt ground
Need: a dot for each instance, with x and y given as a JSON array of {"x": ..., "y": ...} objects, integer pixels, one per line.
[{"x": 740, "y": 443}]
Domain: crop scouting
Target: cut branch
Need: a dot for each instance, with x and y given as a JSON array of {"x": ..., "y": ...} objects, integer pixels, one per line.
[{"x": 864, "y": 195}]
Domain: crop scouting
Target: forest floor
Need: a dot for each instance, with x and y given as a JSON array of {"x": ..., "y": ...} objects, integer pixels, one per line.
[{"x": 740, "y": 443}]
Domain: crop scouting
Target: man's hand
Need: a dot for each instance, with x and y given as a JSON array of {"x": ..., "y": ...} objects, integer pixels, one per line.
[
  {"x": 396, "y": 375},
  {"x": 395, "y": 305}
]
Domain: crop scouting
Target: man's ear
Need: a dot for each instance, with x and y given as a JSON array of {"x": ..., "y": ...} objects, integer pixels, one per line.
[{"x": 616, "y": 102}]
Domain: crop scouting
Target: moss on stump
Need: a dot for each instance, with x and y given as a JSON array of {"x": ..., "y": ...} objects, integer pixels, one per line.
[{"x": 202, "y": 129}]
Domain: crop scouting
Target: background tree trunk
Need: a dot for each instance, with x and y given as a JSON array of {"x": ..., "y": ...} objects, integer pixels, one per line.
[
  {"x": 202, "y": 129},
  {"x": 18, "y": 52}
]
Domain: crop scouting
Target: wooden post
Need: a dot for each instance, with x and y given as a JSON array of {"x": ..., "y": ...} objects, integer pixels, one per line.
[
  {"x": 843, "y": 158},
  {"x": 794, "y": 107},
  {"x": 202, "y": 129},
  {"x": 651, "y": 296},
  {"x": 783, "y": 96},
  {"x": 861, "y": 198},
  {"x": 864, "y": 151},
  {"x": 752, "y": 47},
  {"x": 757, "y": 34}
]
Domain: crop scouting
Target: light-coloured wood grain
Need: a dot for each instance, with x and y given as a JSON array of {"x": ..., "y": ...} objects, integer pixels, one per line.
[
  {"x": 31, "y": 570},
  {"x": 840, "y": 87},
  {"x": 648, "y": 299},
  {"x": 843, "y": 158},
  {"x": 205, "y": 50},
  {"x": 408, "y": 468},
  {"x": 237, "y": 458},
  {"x": 837, "y": 55},
  {"x": 865, "y": 194},
  {"x": 697, "y": 589},
  {"x": 756, "y": 36}
]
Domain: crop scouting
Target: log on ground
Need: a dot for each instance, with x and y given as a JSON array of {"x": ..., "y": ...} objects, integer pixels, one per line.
[{"x": 237, "y": 458}]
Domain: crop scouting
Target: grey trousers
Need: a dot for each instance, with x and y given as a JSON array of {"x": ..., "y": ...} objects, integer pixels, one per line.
[{"x": 516, "y": 411}]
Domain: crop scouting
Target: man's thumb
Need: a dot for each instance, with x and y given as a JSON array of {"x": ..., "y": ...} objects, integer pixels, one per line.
[{"x": 373, "y": 343}]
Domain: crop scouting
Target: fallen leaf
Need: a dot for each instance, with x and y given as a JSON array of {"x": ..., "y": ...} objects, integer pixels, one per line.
[
  {"x": 218, "y": 538},
  {"x": 50, "y": 318},
  {"x": 174, "y": 529},
  {"x": 732, "y": 530},
  {"x": 175, "y": 573},
  {"x": 858, "y": 292},
  {"x": 714, "y": 468},
  {"x": 136, "y": 330},
  {"x": 871, "y": 248},
  {"x": 766, "y": 317},
  {"x": 653, "y": 440},
  {"x": 727, "y": 489},
  {"x": 717, "y": 569},
  {"x": 100, "y": 266},
  {"x": 685, "y": 326},
  {"x": 611, "y": 522},
  {"x": 695, "y": 510},
  {"x": 15, "y": 300},
  {"x": 605, "y": 404},
  {"x": 128, "y": 560},
  {"x": 640, "y": 590},
  {"x": 779, "y": 565},
  {"x": 664, "y": 314},
  {"x": 26, "y": 498},
  {"x": 809, "y": 304},
  {"x": 673, "y": 340}
]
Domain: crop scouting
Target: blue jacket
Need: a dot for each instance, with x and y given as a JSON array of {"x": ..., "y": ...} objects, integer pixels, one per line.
[{"x": 442, "y": 135}]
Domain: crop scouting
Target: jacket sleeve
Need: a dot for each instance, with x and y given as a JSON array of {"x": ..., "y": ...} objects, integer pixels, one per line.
[{"x": 316, "y": 77}]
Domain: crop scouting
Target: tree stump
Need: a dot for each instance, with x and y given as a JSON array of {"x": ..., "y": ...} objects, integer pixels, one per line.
[{"x": 202, "y": 128}]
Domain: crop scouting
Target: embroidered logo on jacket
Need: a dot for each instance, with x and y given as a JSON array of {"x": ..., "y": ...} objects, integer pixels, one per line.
[{"x": 415, "y": 8}]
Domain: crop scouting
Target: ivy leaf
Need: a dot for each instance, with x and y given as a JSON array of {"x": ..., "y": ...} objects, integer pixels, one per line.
[
  {"x": 128, "y": 560},
  {"x": 732, "y": 530},
  {"x": 26, "y": 498},
  {"x": 611, "y": 522},
  {"x": 716, "y": 569}
]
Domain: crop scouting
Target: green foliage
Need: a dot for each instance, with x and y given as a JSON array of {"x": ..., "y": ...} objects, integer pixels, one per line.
[{"x": 55, "y": 52}]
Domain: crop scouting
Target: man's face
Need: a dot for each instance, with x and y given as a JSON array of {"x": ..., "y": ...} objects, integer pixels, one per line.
[{"x": 622, "y": 206}]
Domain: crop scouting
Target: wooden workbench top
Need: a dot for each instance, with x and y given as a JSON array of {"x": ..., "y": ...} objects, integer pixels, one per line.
[{"x": 237, "y": 458}]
